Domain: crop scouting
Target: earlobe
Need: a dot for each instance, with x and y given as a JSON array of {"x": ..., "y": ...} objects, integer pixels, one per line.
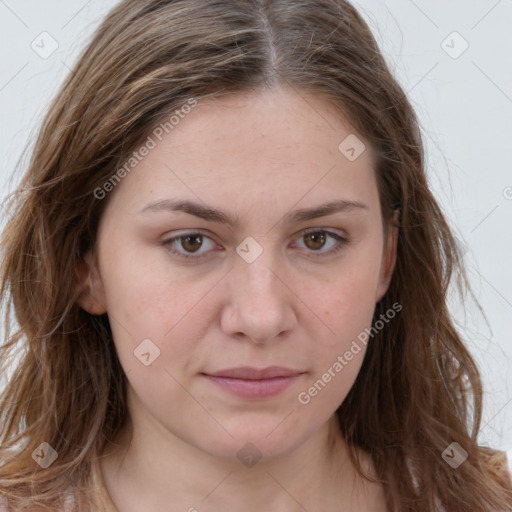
[
  {"x": 388, "y": 257},
  {"x": 90, "y": 287}
]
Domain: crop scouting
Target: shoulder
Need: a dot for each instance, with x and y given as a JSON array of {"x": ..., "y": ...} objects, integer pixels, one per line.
[
  {"x": 3, "y": 505},
  {"x": 68, "y": 502},
  {"x": 501, "y": 460},
  {"x": 500, "y": 464},
  {"x": 508, "y": 467}
]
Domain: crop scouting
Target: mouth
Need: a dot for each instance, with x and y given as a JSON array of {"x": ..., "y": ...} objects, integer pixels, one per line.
[{"x": 254, "y": 383}]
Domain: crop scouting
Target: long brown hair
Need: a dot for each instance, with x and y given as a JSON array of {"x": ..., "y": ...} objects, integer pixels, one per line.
[{"x": 418, "y": 390}]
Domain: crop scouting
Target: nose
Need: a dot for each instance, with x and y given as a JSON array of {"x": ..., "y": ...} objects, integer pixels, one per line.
[{"x": 260, "y": 306}]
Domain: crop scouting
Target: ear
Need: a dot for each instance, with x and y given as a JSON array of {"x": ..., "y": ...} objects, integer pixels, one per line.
[
  {"x": 388, "y": 257},
  {"x": 92, "y": 294}
]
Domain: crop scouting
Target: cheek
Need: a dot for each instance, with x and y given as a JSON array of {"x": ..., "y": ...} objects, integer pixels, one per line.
[
  {"x": 345, "y": 302},
  {"x": 147, "y": 292},
  {"x": 145, "y": 304},
  {"x": 340, "y": 350},
  {"x": 337, "y": 358},
  {"x": 345, "y": 305}
]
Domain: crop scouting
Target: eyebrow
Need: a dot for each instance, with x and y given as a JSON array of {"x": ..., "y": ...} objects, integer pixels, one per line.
[{"x": 215, "y": 215}]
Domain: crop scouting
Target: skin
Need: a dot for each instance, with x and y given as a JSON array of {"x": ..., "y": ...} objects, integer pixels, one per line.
[{"x": 258, "y": 155}]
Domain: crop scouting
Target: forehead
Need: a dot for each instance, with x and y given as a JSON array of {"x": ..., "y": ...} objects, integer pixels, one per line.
[
  {"x": 279, "y": 146},
  {"x": 263, "y": 123}
]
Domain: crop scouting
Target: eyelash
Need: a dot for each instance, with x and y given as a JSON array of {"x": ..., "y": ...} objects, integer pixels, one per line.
[{"x": 342, "y": 242}]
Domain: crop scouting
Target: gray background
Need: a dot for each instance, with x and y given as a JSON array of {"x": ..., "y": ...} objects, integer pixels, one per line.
[{"x": 463, "y": 99}]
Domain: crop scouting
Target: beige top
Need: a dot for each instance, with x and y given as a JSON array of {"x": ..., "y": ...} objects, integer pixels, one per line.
[
  {"x": 106, "y": 504},
  {"x": 110, "y": 507}
]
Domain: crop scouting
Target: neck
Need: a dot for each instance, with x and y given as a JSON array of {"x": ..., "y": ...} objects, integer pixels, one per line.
[{"x": 160, "y": 471}]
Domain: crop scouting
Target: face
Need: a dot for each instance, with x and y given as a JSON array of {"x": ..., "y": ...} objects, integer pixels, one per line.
[{"x": 226, "y": 314}]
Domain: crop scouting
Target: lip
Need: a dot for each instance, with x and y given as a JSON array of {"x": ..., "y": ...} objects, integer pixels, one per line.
[{"x": 254, "y": 383}]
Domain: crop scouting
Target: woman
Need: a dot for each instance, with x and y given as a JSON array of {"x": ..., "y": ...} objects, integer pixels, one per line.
[{"x": 230, "y": 279}]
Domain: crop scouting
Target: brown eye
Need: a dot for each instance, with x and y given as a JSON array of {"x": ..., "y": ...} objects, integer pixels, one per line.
[
  {"x": 191, "y": 243},
  {"x": 315, "y": 240},
  {"x": 194, "y": 245}
]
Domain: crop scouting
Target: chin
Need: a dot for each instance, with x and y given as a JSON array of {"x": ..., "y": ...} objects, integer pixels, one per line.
[{"x": 263, "y": 441}]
